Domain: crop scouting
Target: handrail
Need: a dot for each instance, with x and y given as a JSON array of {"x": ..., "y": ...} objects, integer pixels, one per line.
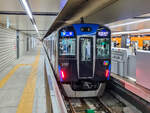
[{"x": 57, "y": 103}]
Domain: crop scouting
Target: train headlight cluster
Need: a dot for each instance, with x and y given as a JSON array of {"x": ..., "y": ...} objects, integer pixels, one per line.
[{"x": 62, "y": 74}]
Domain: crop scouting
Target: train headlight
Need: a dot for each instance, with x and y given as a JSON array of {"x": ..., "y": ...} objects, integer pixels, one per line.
[
  {"x": 62, "y": 74},
  {"x": 107, "y": 73}
]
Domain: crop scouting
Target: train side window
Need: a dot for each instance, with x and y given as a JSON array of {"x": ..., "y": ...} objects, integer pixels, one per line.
[
  {"x": 102, "y": 48},
  {"x": 67, "y": 46}
]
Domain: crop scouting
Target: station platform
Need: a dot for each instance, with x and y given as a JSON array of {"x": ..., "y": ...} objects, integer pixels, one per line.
[
  {"x": 133, "y": 87},
  {"x": 22, "y": 86}
]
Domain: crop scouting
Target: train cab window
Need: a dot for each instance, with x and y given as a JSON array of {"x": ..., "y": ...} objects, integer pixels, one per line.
[
  {"x": 85, "y": 45},
  {"x": 67, "y": 46},
  {"x": 102, "y": 48}
]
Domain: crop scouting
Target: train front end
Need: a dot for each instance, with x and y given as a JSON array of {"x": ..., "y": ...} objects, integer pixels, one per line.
[{"x": 84, "y": 60}]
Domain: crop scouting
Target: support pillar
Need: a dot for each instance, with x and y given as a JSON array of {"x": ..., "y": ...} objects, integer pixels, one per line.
[
  {"x": 125, "y": 41},
  {"x": 17, "y": 43}
]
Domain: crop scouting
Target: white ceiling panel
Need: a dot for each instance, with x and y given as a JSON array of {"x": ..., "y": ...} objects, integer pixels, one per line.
[
  {"x": 137, "y": 24},
  {"x": 22, "y": 22},
  {"x": 44, "y": 5},
  {"x": 44, "y": 22},
  {"x": 19, "y": 22},
  {"x": 10, "y": 5}
]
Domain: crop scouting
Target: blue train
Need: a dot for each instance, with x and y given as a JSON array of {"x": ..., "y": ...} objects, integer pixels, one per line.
[{"x": 81, "y": 57}]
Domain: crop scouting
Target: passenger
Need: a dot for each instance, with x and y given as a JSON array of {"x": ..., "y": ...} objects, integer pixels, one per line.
[
  {"x": 102, "y": 50},
  {"x": 105, "y": 50},
  {"x": 61, "y": 49},
  {"x": 135, "y": 47},
  {"x": 118, "y": 44},
  {"x": 144, "y": 47},
  {"x": 115, "y": 44},
  {"x": 149, "y": 47},
  {"x": 69, "y": 49}
]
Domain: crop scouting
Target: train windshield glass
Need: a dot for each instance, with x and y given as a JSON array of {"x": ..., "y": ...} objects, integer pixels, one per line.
[
  {"x": 102, "y": 48},
  {"x": 85, "y": 44},
  {"x": 67, "y": 46}
]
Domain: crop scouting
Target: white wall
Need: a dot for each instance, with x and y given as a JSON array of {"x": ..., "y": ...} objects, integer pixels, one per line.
[{"x": 8, "y": 47}]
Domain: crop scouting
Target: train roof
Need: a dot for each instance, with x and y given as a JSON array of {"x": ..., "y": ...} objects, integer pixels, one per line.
[{"x": 90, "y": 27}]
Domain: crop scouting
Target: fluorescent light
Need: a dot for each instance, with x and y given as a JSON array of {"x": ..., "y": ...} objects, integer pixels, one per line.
[
  {"x": 27, "y": 8},
  {"x": 144, "y": 30},
  {"x": 131, "y": 32},
  {"x": 125, "y": 32},
  {"x": 129, "y": 23},
  {"x": 36, "y": 28}
]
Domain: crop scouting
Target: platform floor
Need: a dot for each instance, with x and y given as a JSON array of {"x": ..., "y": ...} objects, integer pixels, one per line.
[
  {"x": 22, "y": 87},
  {"x": 138, "y": 90}
]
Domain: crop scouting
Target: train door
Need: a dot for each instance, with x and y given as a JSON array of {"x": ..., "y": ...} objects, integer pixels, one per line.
[{"x": 85, "y": 57}]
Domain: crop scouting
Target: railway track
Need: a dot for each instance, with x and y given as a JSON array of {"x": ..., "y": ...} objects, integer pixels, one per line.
[
  {"x": 87, "y": 105},
  {"x": 106, "y": 104}
]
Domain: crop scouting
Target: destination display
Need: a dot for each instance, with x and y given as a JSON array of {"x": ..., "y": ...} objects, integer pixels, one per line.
[
  {"x": 103, "y": 33},
  {"x": 67, "y": 34}
]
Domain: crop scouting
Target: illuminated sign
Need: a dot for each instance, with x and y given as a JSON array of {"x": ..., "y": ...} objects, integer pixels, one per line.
[
  {"x": 103, "y": 33},
  {"x": 128, "y": 42},
  {"x": 106, "y": 63},
  {"x": 67, "y": 34}
]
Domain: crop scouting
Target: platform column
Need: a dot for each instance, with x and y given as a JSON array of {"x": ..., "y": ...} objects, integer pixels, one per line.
[
  {"x": 125, "y": 41},
  {"x": 17, "y": 43},
  {"x": 28, "y": 44}
]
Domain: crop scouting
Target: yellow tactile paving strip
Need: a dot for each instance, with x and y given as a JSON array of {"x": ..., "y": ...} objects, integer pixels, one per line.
[
  {"x": 27, "y": 99},
  {"x": 7, "y": 77}
]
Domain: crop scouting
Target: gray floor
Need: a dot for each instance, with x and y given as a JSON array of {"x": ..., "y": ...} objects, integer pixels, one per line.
[
  {"x": 12, "y": 91},
  {"x": 40, "y": 97}
]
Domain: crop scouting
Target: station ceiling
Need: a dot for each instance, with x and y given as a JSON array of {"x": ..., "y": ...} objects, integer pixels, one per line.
[
  {"x": 107, "y": 12},
  {"x": 137, "y": 23},
  {"x": 13, "y": 15}
]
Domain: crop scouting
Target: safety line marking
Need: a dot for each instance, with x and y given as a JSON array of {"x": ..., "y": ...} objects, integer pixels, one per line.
[
  {"x": 11, "y": 72},
  {"x": 27, "y": 99}
]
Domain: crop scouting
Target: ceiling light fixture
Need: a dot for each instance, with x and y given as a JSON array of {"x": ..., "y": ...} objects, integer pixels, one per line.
[
  {"x": 129, "y": 23},
  {"x": 36, "y": 28},
  {"x": 26, "y": 6},
  {"x": 29, "y": 12}
]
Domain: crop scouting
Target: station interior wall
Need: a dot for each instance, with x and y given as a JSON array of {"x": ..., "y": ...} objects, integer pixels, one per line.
[
  {"x": 8, "y": 46},
  {"x": 22, "y": 44}
]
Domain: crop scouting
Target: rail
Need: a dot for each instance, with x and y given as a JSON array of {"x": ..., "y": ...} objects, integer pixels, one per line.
[{"x": 57, "y": 104}]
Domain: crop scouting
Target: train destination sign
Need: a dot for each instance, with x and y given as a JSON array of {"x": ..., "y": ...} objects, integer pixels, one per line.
[
  {"x": 103, "y": 34},
  {"x": 67, "y": 34}
]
